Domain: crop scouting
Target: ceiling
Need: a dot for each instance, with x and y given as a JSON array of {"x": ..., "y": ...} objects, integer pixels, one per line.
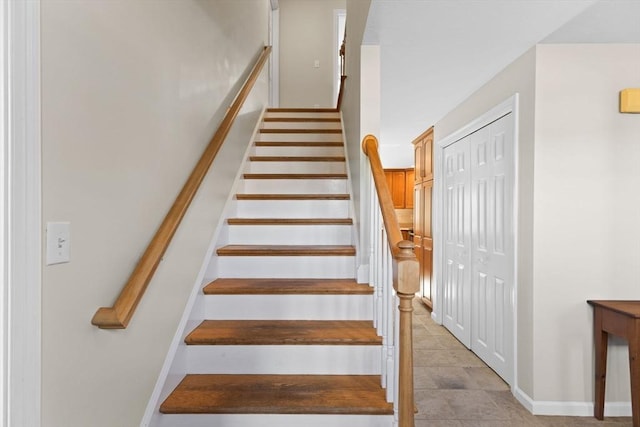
[{"x": 435, "y": 53}]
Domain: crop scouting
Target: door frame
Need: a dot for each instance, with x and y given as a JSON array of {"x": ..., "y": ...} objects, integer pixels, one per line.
[
  {"x": 20, "y": 142},
  {"x": 510, "y": 105}
]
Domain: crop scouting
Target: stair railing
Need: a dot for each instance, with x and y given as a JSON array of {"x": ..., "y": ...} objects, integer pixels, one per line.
[
  {"x": 119, "y": 315},
  {"x": 394, "y": 274}
]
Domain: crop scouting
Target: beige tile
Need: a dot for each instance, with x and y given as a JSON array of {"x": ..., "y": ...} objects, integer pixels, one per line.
[
  {"x": 457, "y": 358},
  {"x": 449, "y": 341},
  {"x": 457, "y": 405},
  {"x": 438, "y": 423},
  {"x": 445, "y": 378},
  {"x": 486, "y": 378},
  {"x": 498, "y": 423},
  {"x": 424, "y": 340},
  {"x": 547, "y": 421}
]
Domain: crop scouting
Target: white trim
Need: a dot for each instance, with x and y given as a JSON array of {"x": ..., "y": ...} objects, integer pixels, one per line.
[
  {"x": 4, "y": 226},
  {"x": 508, "y": 106},
  {"x": 22, "y": 35},
  {"x": 203, "y": 277},
  {"x": 570, "y": 409}
]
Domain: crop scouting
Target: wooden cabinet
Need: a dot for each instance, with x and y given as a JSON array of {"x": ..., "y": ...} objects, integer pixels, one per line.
[
  {"x": 422, "y": 191},
  {"x": 423, "y": 154},
  {"x": 400, "y": 182},
  {"x": 408, "y": 188}
]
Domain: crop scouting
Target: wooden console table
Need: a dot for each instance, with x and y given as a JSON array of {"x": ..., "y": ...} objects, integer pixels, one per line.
[{"x": 620, "y": 318}]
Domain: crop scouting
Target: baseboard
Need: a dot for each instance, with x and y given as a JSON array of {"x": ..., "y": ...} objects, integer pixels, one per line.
[
  {"x": 570, "y": 409},
  {"x": 363, "y": 273}
]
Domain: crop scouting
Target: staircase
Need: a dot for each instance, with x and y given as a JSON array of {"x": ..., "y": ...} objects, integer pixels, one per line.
[{"x": 284, "y": 335}]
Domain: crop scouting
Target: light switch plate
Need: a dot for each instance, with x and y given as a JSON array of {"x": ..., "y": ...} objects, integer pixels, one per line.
[{"x": 58, "y": 242}]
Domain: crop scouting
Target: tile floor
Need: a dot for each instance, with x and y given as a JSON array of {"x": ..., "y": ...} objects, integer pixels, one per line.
[{"x": 469, "y": 394}]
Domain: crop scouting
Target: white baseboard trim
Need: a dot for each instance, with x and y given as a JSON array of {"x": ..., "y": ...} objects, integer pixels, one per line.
[
  {"x": 363, "y": 273},
  {"x": 570, "y": 409}
]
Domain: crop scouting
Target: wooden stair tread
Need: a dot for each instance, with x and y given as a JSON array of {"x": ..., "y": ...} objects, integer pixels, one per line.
[
  {"x": 286, "y": 250},
  {"x": 226, "y": 286},
  {"x": 284, "y": 332},
  {"x": 299, "y": 143},
  {"x": 297, "y": 158},
  {"x": 265, "y": 196},
  {"x": 302, "y": 110},
  {"x": 295, "y": 176},
  {"x": 303, "y": 119},
  {"x": 293, "y": 130},
  {"x": 278, "y": 394},
  {"x": 289, "y": 221}
]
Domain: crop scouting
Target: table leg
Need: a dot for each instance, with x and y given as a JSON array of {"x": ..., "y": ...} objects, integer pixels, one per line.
[
  {"x": 634, "y": 366},
  {"x": 601, "y": 341}
]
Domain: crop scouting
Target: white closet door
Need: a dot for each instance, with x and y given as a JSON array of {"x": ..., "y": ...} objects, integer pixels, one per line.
[
  {"x": 457, "y": 275},
  {"x": 478, "y": 252},
  {"x": 491, "y": 245}
]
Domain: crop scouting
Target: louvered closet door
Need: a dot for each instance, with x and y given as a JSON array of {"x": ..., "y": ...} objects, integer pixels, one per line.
[
  {"x": 491, "y": 243},
  {"x": 457, "y": 274}
]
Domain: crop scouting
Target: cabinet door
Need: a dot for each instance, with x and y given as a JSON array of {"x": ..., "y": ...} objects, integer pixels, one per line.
[
  {"x": 425, "y": 199},
  {"x": 408, "y": 188},
  {"x": 427, "y": 162},
  {"x": 417, "y": 211},
  {"x": 418, "y": 153},
  {"x": 397, "y": 189},
  {"x": 426, "y": 268}
]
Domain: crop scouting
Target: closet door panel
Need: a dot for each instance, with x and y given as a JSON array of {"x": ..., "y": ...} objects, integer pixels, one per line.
[{"x": 457, "y": 274}]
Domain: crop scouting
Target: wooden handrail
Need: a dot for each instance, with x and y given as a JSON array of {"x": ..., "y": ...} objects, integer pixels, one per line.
[
  {"x": 405, "y": 282},
  {"x": 119, "y": 315}
]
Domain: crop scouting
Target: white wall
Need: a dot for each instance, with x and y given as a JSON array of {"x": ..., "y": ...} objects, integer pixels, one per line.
[
  {"x": 357, "y": 13},
  {"x": 306, "y": 35},
  {"x": 578, "y": 232},
  {"x": 587, "y": 234},
  {"x": 519, "y": 77},
  {"x": 132, "y": 91}
]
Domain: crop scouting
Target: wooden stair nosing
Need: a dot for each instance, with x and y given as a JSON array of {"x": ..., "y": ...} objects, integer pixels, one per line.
[
  {"x": 302, "y": 110},
  {"x": 284, "y": 332},
  {"x": 230, "y": 286},
  {"x": 278, "y": 394},
  {"x": 261, "y": 196},
  {"x": 295, "y": 176},
  {"x": 305, "y": 131},
  {"x": 299, "y": 144},
  {"x": 297, "y": 158},
  {"x": 303, "y": 119},
  {"x": 289, "y": 221},
  {"x": 286, "y": 250}
]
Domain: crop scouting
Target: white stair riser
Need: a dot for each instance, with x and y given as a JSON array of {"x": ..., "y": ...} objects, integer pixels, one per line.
[
  {"x": 298, "y": 151},
  {"x": 281, "y": 267},
  {"x": 290, "y": 235},
  {"x": 302, "y": 125},
  {"x": 296, "y": 167},
  {"x": 298, "y": 136},
  {"x": 312, "y": 114},
  {"x": 284, "y": 359},
  {"x": 294, "y": 186},
  {"x": 273, "y": 420},
  {"x": 288, "y": 307},
  {"x": 292, "y": 208}
]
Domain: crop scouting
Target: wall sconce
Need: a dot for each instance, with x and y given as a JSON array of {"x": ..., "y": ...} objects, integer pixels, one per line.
[{"x": 630, "y": 100}]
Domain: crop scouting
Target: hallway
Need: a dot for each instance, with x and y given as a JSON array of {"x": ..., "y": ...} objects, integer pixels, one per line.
[{"x": 454, "y": 388}]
